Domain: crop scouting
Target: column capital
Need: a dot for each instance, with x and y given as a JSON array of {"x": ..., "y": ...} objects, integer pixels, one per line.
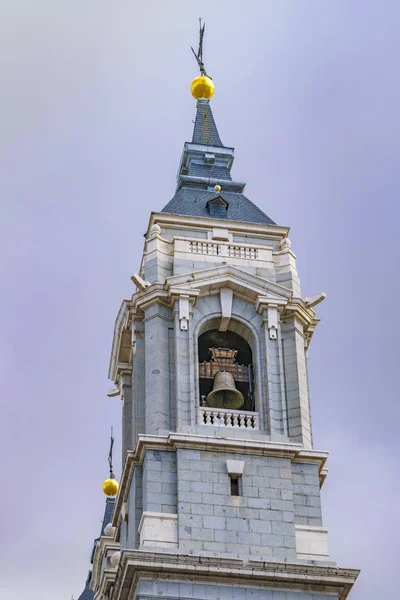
[
  {"x": 270, "y": 306},
  {"x": 185, "y": 297},
  {"x": 263, "y": 302}
]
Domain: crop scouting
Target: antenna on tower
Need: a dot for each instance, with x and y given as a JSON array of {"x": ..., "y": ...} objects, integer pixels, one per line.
[
  {"x": 199, "y": 55},
  {"x": 112, "y": 476},
  {"x": 110, "y": 486}
]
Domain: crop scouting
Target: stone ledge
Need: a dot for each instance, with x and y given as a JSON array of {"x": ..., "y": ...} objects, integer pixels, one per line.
[
  {"x": 136, "y": 564},
  {"x": 106, "y": 583},
  {"x": 104, "y": 548},
  {"x": 177, "y": 221}
]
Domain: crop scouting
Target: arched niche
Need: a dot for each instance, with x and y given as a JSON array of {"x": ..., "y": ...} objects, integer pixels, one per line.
[
  {"x": 226, "y": 351},
  {"x": 246, "y": 331}
]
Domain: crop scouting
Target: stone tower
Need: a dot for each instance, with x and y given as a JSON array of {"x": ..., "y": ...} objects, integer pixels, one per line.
[{"x": 220, "y": 494}]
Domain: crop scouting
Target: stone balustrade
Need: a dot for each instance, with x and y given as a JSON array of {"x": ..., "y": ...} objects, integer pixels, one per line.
[
  {"x": 230, "y": 250},
  {"x": 222, "y": 417},
  {"x": 218, "y": 251}
]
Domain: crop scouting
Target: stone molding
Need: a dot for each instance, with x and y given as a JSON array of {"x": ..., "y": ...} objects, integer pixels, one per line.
[
  {"x": 121, "y": 322},
  {"x": 235, "y": 468},
  {"x": 272, "y": 231},
  {"x": 240, "y": 281},
  {"x": 226, "y": 299},
  {"x": 265, "y": 294},
  {"x": 136, "y": 564},
  {"x": 105, "y": 585},
  {"x": 105, "y": 547}
]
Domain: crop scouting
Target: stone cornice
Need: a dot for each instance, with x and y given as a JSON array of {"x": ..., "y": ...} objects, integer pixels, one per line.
[
  {"x": 107, "y": 580},
  {"x": 224, "y": 275},
  {"x": 104, "y": 544},
  {"x": 177, "y": 291},
  {"x": 298, "y": 307},
  {"x": 250, "y": 228},
  {"x": 173, "y": 441},
  {"x": 275, "y": 575},
  {"x": 260, "y": 291},
  {"x": 194, "y": 284},
  {"x": 120, "y": 322},
  {"x": 154, "y": 294}
]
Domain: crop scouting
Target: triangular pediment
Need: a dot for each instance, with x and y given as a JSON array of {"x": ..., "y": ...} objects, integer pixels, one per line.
[
  {"x": 218, "y": 201},
  {"x": 217, "y": 207},
  {"x": 245, "y": 284}
]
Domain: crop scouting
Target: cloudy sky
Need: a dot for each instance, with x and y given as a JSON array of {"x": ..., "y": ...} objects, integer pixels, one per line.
[{"x": 95, "y": 108}]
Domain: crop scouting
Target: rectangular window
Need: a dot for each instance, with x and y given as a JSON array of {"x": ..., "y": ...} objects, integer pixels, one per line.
[{"x": 235, "y": 488}]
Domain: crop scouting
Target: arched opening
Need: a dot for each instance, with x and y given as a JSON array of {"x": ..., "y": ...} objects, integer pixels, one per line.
[{"x": 229, "y": 352}]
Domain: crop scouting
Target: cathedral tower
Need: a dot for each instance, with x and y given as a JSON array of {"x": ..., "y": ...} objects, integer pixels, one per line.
[{"x": 220, "y": 491}]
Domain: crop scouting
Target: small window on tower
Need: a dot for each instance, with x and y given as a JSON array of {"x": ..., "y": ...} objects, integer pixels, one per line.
[
  {"x": 217, "y": 207},
  {"x": 235, "y": 486}
]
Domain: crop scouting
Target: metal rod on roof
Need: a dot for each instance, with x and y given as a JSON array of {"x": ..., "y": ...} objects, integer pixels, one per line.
[
  {"x": 112, "y": 476},
  {"x": 199, "y": 55}
]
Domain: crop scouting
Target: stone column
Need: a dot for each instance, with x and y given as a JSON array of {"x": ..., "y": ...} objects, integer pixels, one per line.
[
  {"x": 277, "y": 417},
  {"x": 294, "y": 358},
  {"x": 157, "y": 413},
  {"x": 127, "y": 413},
  {"x": 184, "y": 362},
  {"x": 138, "y": 379}
]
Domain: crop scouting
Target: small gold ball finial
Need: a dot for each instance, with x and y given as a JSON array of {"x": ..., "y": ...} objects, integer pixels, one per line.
[
  {"x": 202, "y": 87},
  {"x": 217, "y": 188},
  {"x": 110, "y": 487}
]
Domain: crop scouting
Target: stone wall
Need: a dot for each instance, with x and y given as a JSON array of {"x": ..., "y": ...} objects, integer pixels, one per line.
[
  {"x": 258, "y": 522},
  {"x": 129, "y": 532},
  {"x": 306, "y": 495},
  {"x": 275, "y": 495},
  {"x": 159, "y": 482}
]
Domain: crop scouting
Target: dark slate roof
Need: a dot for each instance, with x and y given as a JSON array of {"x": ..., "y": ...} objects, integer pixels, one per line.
[
  {"x": 210, "y": 171},
  {"x": 205, "y": 130},
  {"x": 192, "y": 202},
  {"x": 202, "y": 168},
  {"x": 87, "y": 593},
  {"x": 110, "y": 503}
]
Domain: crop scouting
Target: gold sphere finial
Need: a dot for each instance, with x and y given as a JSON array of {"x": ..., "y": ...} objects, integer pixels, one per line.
[
  {"x": 110, "y": 487},
  {"x": 217, "y": 188},
  {"x": 202, "y": 87}
]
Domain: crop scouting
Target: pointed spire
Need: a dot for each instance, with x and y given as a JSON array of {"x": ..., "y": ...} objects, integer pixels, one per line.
[
  {"x": 205, "y": 131},
  {"x": 204, "y": 177}
]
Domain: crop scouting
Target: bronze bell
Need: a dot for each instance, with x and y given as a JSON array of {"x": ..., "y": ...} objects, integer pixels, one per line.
[{"x": 224, "y": 393}]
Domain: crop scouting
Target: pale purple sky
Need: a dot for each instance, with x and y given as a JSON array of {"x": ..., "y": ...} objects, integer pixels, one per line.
[{"x": 95, "y": 108}]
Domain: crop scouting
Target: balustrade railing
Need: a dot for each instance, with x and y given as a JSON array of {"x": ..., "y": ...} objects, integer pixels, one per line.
[
  {"x": 242, "y": 252},
  {"x": 217, "y": 249},
  {"x": 222, "y": 417},
  {"x": 204, "y": 248}
]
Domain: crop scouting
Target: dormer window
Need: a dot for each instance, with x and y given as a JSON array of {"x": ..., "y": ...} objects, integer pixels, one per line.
[{"x": 217, "y": 207}]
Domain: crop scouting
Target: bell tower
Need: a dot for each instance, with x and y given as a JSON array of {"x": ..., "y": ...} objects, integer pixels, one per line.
[{"x": 220, "y": 491}]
